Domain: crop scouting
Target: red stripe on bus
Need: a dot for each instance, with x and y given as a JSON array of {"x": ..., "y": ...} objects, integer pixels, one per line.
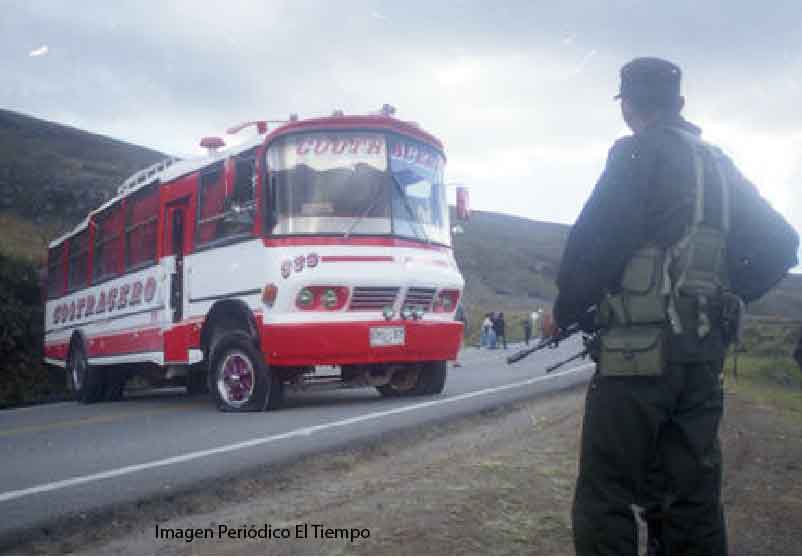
[
  {"x": 121, "y": 343},
  {"x": 57, "y": 351},
  {"x": 335, "y": 259}
]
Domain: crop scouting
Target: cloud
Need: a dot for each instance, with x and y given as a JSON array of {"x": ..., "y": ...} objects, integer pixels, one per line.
[{"x": 520, "y": 94}]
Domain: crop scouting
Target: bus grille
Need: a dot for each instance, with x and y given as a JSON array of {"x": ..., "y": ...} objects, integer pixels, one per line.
[
  {"x": 373, "y": 298},
  {"x": 419, "y": 296}
]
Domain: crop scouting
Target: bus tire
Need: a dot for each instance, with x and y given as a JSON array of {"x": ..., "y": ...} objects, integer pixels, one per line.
[
  {"x": 405, "y": 383},
  {"x": 430, "y": 380},
  {"x": 434, "y": 377},
  {"x": 115, "y": 380},
  {"x": 240, "y": 379},
  {"x": 86, "y": 380}
]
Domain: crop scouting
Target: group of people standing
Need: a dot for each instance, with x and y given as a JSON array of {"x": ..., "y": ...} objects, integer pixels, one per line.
[{"x": 493, "y": 331}]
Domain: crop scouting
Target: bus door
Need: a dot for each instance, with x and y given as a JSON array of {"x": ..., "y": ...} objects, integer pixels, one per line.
[
  {"x": 176, "y": 339},
  {"x": 176, "y": 231}
]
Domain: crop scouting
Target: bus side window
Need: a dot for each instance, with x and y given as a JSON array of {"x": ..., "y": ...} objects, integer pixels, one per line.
[
  {"x": 78, "y": 261},
  {"x": 243, "y": 193},
  {"x": 222, "y": 217},
  {"x": 211, "y": 205},
  {"x": 109, "y": 244},
  {"x": 55, "y": 272},
  {"x": 142, "y": 211}
]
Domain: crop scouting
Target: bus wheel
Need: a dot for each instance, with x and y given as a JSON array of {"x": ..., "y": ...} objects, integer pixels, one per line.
[
  {"x": 407, "y": 381},
  {"x": 240, "y": 378},
  {"x": 428, "y": 378},
  {"x": 435, "y": 374},
  {"x": 86, "y": 381},
  {"x": 115, "y": 380}
]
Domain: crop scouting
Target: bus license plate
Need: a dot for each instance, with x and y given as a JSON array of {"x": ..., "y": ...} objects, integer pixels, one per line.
[{"x": 386, "y": 336}]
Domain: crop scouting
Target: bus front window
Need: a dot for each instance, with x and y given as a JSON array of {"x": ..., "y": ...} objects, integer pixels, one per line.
[
  {"x": 324, "y": 182},
  {"x": 348, "y": 183}
]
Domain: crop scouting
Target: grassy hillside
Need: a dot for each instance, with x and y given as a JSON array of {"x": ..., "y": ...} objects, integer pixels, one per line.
[
  {"x": 51, "y": 175},
  {"x": 508, "y": 261}
]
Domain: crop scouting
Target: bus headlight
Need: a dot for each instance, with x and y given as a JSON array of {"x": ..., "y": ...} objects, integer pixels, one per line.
[
  {"x": 305, "y": 299},
  {"x": 330, "y": 299},
  {"x": 322, "y": 298}
]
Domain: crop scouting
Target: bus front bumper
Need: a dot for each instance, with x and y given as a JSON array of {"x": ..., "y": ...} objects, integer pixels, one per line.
[{"x": 349, "y": 343}]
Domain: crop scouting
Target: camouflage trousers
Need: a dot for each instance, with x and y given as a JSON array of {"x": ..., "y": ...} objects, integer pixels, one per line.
[{"x": 651, "y": 457}]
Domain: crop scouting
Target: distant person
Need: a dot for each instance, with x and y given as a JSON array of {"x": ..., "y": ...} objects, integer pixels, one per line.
[
  {"x": 492, "y": 337},
  {"x": 487, "y": 329},
  {"x": 537, "y": 326},
  {"x": 670, "y": 222},
  {"x": 527, "y": 330},
  {"x": 499, "y": 327}
]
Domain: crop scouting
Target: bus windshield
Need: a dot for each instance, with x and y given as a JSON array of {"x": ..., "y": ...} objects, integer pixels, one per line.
[{"x": 357, "y": 183}]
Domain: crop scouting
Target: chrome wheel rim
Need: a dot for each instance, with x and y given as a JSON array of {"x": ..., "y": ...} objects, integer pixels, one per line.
[
  {"x": 236, "y": 379},
  {"x": 78, "y": 369}
]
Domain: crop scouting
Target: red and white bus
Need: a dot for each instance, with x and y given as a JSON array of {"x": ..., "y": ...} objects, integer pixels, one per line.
[{"x": 325, "y": 242}]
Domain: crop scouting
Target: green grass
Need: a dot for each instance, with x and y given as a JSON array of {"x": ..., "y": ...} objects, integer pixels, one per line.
[
  {"x": 22, "y": 239},
  {"x": 766, "y": 371}
]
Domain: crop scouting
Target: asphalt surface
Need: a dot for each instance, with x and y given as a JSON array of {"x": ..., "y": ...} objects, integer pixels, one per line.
[{"x": 66, "y": 458}]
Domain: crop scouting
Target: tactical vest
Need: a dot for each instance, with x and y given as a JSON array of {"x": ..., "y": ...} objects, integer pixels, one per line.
[{"x": 668, "y": 288}]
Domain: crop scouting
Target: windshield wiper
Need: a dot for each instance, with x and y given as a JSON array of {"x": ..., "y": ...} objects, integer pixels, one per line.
[
  {"x": 413, "y": 216},
  {"x": 364, "y": 214},
  {"x": 411, "y": 213}
]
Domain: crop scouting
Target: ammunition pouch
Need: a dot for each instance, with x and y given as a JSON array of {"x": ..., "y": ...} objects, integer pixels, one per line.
[
  {"x": 641, "y": 298},
  {"x": 633, "y": 319},
  {"x": 632, "y": 351}
]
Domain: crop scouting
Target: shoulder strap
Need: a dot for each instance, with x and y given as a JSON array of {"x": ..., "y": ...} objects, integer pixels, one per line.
[{"x": 698, "y": 146}]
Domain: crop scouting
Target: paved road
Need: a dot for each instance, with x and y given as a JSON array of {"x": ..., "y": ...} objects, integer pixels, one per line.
[{"x": 65, "y": 458}]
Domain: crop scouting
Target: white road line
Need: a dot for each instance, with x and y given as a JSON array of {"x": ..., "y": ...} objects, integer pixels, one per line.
[
  {"x": 39, "y": 407},
  {"x": 306, "y": 431}
]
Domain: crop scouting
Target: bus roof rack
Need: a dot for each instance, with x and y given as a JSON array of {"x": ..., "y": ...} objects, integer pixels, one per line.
[{"x": 145, "y": 175}]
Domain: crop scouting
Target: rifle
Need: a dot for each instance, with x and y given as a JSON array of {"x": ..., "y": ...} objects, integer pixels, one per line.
[
  {"x": 588, "y": 341},
  {"x": 549, "y": 342}
]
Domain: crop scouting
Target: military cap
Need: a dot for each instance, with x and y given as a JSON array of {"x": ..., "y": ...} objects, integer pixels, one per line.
[{"x": 650, "y": 80}]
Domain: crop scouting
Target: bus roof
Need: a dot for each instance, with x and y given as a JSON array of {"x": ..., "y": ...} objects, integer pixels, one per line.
[{"x": 173, "y": 168}]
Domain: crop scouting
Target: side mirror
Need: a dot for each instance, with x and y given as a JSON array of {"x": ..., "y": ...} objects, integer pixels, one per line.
[
  {"x": 237, "y": 214},
  {"x": 463, "y": 204}
]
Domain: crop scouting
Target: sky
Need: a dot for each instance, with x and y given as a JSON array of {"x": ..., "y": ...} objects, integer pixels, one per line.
[{"x": 519, "y": 92}]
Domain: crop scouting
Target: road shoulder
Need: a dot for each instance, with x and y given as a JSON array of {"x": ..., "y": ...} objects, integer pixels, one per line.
[{"x": 499, "y": 482}]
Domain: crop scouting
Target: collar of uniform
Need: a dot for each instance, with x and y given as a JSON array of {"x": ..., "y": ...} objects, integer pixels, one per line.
[{"x": 674, "y": 121}]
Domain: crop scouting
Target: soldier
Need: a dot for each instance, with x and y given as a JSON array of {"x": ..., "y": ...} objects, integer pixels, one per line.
[{"x": 656, "y": 250}]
